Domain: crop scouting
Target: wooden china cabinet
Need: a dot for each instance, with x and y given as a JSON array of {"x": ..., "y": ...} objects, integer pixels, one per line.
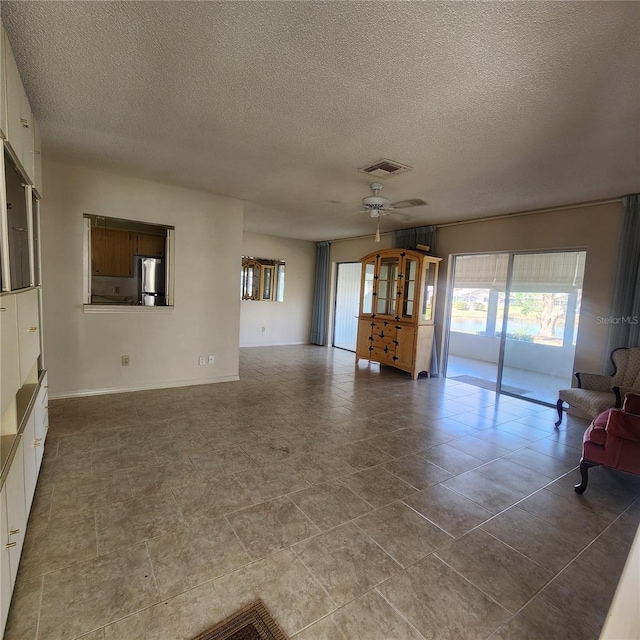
[{"x": 397, "y": 301}]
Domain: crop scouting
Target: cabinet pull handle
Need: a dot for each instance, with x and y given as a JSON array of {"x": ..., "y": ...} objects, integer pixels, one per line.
[
  {"x": 24, "y": 123},
  {"x": 11, "y": 544},
  {"x": 38, "y": 440},
  {"x": 36, "y": 444},
  {"x": 13, "y": 532},
  {"x": 32, "y": 329}
]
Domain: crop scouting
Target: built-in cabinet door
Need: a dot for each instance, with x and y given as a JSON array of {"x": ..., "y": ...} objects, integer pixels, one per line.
[
  {"x": 5, "y": 570},
  {"x": 30, "y": 446},
  {"x": 16, "y": 512},
  {"x": 3, "y": 94},
  {"x": 41, "y": 415},
  {"x": 9, "y": 366},
  {"x": 28, "y": 332},
  {"x": 19, "y": 118},
  {"x": 37, "y": 157}
]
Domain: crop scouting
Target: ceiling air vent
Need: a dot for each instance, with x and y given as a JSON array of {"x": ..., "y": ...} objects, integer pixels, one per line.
[
  {"x": 413, "y": 202},
  {"x": 385, "y": 168}
]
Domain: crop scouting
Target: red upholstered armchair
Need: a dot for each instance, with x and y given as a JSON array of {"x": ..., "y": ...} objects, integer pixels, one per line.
[{"x": 613, "y": 440}]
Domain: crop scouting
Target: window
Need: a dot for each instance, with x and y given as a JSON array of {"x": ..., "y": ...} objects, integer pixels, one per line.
[{"x": 128, "y": 263}]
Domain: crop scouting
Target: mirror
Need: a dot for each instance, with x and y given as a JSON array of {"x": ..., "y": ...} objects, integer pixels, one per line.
[{"x": 262, "y": 279}]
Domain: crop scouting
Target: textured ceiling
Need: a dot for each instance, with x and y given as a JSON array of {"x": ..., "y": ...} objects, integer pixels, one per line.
[{"x": 498, "y": 107}]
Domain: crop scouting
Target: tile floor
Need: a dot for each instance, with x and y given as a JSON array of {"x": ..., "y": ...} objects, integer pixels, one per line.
[{"x": 357, "y": 503}]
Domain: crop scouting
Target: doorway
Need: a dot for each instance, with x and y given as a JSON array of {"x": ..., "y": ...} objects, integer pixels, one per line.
[
  {"x": 513, "y": 321},
  {"x": 346, "y": 305}
]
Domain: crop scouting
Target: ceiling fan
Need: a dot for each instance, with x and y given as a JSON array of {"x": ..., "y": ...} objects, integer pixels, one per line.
[{"x": 377, "y": 205}]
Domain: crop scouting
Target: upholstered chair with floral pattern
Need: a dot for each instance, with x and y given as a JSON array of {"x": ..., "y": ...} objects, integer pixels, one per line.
[{"x": 595, "y": 393}]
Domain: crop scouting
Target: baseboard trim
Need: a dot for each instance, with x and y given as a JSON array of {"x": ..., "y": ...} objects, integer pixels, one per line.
[
  {"x": 273, "y": 344},
  {"x": 161, "y": 385}
]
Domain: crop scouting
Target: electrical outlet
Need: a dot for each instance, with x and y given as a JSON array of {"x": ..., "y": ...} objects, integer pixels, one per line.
[
  {"x": 125, "y": 361},
  {"x": 202, "y": 361},
  {"x": 212, "y": 359},
  {"x": 263, "y": 329},
  {"x": 116, "y": 289}
]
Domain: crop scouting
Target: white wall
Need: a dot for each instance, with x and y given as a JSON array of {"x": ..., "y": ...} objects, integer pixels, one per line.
[
  {"x": 287, "y": 322},
  {"x": 83, "y": 351}
]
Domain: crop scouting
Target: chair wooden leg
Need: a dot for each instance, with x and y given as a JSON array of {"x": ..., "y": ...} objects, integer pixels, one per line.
[
  {"x": 559, "y": 407},
  {"x": 585, "y": 465}
]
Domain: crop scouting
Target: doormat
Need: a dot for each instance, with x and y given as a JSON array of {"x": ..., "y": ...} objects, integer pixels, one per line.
[
  {"x": 488, "y": 384},
  {"x": 253, "y": 622}
]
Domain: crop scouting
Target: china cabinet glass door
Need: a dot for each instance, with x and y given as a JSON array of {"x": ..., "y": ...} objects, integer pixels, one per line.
[
  {"x": 409, "y": 292},
  {"x": 367, "y": 289},
  {"x": 387, "y": 283},
  {"x": 429, "y": 291}
]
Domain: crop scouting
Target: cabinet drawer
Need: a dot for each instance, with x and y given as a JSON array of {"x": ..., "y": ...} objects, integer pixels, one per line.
[
  {"x": 386, "y": 341},
  {"x": 28, "y": 332},
  {"x": 384, "y": 328},
  {"x": 380, "y": 355}
]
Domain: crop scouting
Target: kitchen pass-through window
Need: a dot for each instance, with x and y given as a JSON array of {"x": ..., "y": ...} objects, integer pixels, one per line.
[{"x": 128, "y": 264}]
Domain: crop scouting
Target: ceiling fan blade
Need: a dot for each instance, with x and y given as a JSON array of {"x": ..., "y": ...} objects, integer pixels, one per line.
[{"x": 400, "y": 217}]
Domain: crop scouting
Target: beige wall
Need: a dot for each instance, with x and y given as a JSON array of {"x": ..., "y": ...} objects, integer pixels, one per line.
[
  {"x": 83, "y": 351},
  {"x": 594, "y": 228},
  {"x": 287, "y": 322}
]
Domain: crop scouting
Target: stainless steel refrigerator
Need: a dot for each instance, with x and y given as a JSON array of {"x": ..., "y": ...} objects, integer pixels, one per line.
[{"x": 151, "y": 274}]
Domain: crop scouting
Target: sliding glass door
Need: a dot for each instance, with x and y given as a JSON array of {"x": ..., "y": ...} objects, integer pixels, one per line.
[
  {"x": 345, "y": 324},
  {"x": 541, "y": 324},
  {"x": 476, "y": 312},
  {"x": 514, "y": 320}
]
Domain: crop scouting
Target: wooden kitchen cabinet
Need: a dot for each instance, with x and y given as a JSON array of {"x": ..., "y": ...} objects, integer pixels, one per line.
[
  {"x": 397, "y": 300},
  {"x": 146, "y": 244},
  {"x": 111, "y": 252}
]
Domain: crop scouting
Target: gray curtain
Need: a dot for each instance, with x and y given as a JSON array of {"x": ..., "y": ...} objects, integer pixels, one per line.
[
  {"x": 625, "y": 309},
  {"x": 409, "y": 238},
  {"x": 320, "y": 294}
]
